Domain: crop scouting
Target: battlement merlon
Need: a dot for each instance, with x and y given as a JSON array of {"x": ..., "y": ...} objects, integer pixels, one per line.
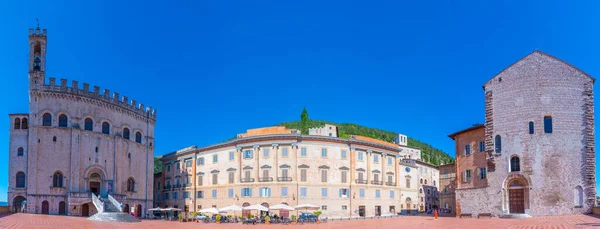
[
  {"x": 36, "y": 32},
  {"x": 116, "y": 99}
]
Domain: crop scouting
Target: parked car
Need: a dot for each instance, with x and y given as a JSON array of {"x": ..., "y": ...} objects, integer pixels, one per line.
[
  {"x": 201, "y": 217},
  {"x": 308, "y": 216}
]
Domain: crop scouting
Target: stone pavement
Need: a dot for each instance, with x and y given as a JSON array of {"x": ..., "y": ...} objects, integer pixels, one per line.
[{"x": 14, "y": 221}]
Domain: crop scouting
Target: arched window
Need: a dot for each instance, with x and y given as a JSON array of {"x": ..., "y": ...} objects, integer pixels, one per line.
[
  {"x": 548, "y": 124},
  {"x": 421, "y": 180},
  {"x": 17, "y": 123},
  {"x": 20, "y": 181},
  {"x": 47, "y": 119},
  {"x": 126, "y": 133},
  {"x": 130, "y": 185},
  {"x": 515, "y": 164},
  {"x": 138, "y": 137},
  {"x": 57, "y": 180},
  {"x": 425, "y": 181},
  {"x": 420, "y": 190},
  {"x": 88, "y": 124},
  {"x": 578, "y": 196},
  {"x": 498, "y": 144},
  {"x": 37, "y": 59},
  {"x": 531, "y": 131},
  {"x": 20, "y": 151},
  {"x": 62, "y": 120},
  {"x": 105, "y": 128},
  {"x": 24, "y": 124}
]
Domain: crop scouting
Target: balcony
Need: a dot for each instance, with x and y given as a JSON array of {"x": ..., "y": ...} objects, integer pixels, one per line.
[
  {"x": 361, "y": 181},
  {"x": 285, "y": 179},
  {"x": 448, "y": 176},
  {"x": 377, "y": 182},
  {"x": 390, "y": 183},
  {"x": 247, "y": 180},
  {"x": 166, "y": 187},
  {"x": 265, "y": 179},
  {"x": 177, "y": 186}
]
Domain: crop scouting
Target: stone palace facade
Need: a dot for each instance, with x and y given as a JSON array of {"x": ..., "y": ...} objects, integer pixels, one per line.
[
  {"x": 356, "y": 176},
  {"x": 74, "y": 143}
]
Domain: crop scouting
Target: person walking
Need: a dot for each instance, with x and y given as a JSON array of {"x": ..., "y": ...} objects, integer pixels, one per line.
[{"x": 435, "y": 213}]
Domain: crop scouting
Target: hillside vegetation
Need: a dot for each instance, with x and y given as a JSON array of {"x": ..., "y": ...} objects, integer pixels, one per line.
[{"x": 428, "y": 152}]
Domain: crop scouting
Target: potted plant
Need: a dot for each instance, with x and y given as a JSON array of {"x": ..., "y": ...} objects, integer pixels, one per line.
[
  {"x": 218, "y": 218},
  {"x": 241, "y": 219},
  {"x": 268, "y": 220},
  {"x": 317, "y": 213},
  {"x": 195, "y": 214},
  {"x": 179, "y": 217},
  {"x": 294, "y": 219}
]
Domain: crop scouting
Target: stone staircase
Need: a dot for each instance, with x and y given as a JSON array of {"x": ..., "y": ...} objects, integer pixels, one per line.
[{"x": 111, "y": 213}]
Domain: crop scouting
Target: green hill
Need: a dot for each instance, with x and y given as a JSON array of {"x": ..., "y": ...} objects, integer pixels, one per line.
[{"x": 428, "y": 152}]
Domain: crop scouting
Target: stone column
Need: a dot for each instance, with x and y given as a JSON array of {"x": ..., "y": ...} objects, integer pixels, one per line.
[
  {"x": 368, "y": 173},
  {"x": 257, "y": 160},
  {"x": 240, "y": 153},
  {"x": 276, "y": 160},
  {"x": 397, "y": 169}
]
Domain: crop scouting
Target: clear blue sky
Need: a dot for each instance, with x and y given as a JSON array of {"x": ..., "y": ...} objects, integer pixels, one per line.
[{"x": 216, "y": 68}]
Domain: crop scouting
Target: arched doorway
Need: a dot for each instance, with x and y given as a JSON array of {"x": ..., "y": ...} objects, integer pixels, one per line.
[
  {"x": 45, "y": 207},
  {"x": 516, "y": 197},
  {"x": 284, "y": 213},
  {"x": 62, "y": 208},
  {"x": 85, "y": 210},
  {"x": 95, "y": 182},
  {"x": 408, "y": 202},
  {"x": 19, "y": 203},
  {"x": 138, "y": 210},
  {"x": 126, "y": 208},
  {"x": 245, "y": 213}
]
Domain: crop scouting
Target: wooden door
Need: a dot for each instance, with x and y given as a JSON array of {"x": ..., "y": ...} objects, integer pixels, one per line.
[
  {"x": 85, "y": 210},
  {"x": 45, "y": 208},
  {"x": 62, "y": 208},
  {"x": 517, "y": 201}
]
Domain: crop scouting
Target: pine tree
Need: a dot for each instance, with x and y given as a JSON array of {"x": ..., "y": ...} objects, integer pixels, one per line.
[{"x": 304, "y": 121}]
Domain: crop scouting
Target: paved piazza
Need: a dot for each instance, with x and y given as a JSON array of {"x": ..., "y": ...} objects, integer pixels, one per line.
[{"x": 14, "y": 221}]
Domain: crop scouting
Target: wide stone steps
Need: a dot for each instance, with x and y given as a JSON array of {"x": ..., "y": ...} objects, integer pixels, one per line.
[
  {"x": 114, "y": 217},
  {"x": 112, "y": 214}
]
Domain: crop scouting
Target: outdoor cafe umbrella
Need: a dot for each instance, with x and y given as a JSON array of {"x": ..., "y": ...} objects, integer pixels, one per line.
[
  {"x": 156, "y": 209},
  {"x": 231, "y": 208},
  {"x": 282, "y": 207},
  {"x": 306, "y": 207},
  {"x": 210, "y": 210},
  {"x": 257, "y": 207}
]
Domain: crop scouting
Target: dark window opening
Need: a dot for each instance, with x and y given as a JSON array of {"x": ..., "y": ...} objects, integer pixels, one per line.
[
  {"x": 57, "y": 180},
  {"x": 20, "y": 181},
  {"x": 47, "y": 119},
  {"x": 126, "y": 133},
  {"x": 548, "y": 124},
  {"x": 20, "y": 151},
  {"x": 138, "y": 137},
  {"x": 24, "y": 124},
  {"x": 515, "y": 164},
  {"x": 88, "y": 124},
  {"x": 62, "y": 120},
  {"x": 105, "y": 128},
  {"x": 531, "y": 130},
  {"x": 17, "y": 123},
  {"x": 54, "y": 139},
  {"x": 498, "y": 144}
]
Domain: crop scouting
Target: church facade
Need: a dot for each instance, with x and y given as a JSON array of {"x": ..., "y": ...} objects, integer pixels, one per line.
[
  {"x": 75, "y": 143},
  {"x": 535, "y": 154}
]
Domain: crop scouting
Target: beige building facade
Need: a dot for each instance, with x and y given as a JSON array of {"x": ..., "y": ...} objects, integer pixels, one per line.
[
  {"x": 75, "y": 143},
  {"x": 346, "y": 177}
]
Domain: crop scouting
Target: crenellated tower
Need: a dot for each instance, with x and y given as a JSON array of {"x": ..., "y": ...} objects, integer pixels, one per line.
[{"x": 37, "y": 57}]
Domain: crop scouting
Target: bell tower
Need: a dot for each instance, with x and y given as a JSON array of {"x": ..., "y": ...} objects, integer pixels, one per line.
[{"x": 37, "y": 57}]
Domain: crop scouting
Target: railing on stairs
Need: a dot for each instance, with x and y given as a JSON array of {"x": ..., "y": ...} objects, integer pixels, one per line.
[
  {"x": 98, "y": 203},
  {"x": 115, "y": 202}
]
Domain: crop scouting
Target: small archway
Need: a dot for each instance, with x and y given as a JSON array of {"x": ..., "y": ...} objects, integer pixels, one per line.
[
  {"x": 85, "y": 210},
  {"x": 138, "y": 210},
  {"x": 62, "y": 208},
  {"x": 45, "y": 207},
  {"x": 126, "y": 208},
  {"x": 19, "y": 204},
  {"x": 245, "y": 213}
]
